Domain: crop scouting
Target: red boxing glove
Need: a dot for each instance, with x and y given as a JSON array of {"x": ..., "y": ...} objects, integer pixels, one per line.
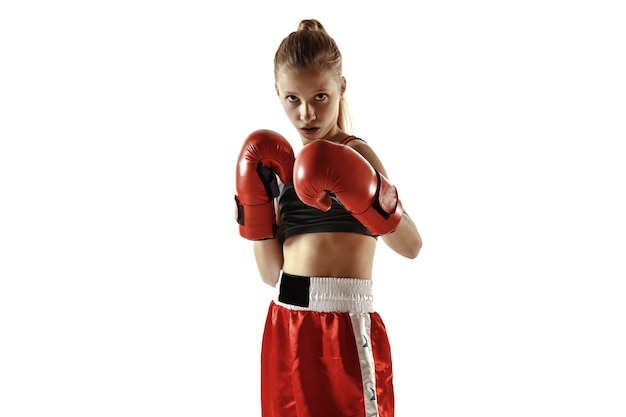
[
  {"x": 323, "y": 167},
  {"x": 264, "y": 155}
]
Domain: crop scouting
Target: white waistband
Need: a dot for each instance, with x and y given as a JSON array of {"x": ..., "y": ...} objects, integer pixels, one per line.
[{"x": 337, "y": 295}]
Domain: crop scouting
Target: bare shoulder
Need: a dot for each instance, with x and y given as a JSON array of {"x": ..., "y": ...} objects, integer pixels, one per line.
[{"x": 368, "y": 153}]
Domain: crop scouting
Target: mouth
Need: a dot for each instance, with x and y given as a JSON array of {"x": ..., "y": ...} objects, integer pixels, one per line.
[{"x": 308, "y": 130}]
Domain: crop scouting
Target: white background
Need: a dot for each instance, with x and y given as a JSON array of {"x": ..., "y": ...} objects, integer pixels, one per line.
[{"x": 126, "y": 290}]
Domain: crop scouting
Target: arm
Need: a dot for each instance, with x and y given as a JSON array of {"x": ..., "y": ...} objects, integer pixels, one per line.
[
  {"x": 269, "y": 256},
  {"x": 405, "y": 240}
]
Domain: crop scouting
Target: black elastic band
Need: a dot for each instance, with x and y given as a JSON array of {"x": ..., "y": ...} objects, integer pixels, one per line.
[{"x": 294, "y": 290}]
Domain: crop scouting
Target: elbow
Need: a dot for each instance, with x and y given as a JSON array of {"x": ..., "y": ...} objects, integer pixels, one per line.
[
  {"x": 270, "y": 275},
  {"x": 408, "y": 247},
  {"x": 414, "y": 249},
  {"x": 408, "y": 250},
  {"x": 271, "y": 280},
  {"x": 413, "y": 252}
]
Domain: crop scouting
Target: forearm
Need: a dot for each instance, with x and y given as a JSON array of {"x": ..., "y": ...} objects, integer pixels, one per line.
[
  {"x": 405, "y": 240},
  {"x": 269, "y": 259}
]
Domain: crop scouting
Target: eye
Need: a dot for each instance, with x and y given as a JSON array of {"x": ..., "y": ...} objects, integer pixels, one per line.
[
  {"x": 320, "y": 96},
  {"x": 292, "y": 99}
]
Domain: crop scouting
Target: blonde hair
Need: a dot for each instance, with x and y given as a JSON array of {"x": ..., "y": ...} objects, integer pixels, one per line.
[{"x": 310, "y": 47}]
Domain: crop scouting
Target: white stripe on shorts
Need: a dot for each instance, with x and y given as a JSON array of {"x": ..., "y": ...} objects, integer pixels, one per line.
[{"x": 361, "y": 325}]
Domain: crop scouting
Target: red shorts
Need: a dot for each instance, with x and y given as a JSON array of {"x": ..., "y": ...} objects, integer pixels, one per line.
[{"x": 325, "y": 352}]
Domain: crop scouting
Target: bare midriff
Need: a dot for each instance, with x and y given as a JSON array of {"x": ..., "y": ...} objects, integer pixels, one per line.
[{"x": 336, "y": 254}]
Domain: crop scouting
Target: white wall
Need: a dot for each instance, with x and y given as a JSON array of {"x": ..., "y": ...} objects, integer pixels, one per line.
[{"x": 125, "y": 289}]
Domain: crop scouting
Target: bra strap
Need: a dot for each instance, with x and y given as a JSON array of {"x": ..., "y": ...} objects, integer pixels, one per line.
[{"x": 348, "y": 139}]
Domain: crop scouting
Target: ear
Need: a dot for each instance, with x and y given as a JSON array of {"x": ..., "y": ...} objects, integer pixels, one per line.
[{"x": 343, "y": 85}]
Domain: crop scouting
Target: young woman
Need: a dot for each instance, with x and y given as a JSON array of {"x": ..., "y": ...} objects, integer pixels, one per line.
[{"x": 325, "y": 351}]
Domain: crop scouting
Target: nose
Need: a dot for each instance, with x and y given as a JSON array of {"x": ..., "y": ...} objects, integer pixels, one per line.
[{"x": 307, "y": 113}]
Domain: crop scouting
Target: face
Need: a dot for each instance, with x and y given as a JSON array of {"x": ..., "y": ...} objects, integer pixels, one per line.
[{"x": 311, "y": 101}]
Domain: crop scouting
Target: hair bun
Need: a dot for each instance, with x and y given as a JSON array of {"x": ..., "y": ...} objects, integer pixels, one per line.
[{"x": 312, "y": 25}]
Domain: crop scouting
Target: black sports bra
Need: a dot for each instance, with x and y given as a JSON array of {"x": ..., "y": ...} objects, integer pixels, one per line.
[{"x": 299, "y": 218}]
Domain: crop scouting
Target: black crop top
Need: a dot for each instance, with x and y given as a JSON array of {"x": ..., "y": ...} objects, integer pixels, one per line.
[{"x": 299, "y": 218}]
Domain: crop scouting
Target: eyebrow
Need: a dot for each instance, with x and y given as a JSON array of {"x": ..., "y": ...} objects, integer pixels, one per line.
[{"x": 318, "y": 91}]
